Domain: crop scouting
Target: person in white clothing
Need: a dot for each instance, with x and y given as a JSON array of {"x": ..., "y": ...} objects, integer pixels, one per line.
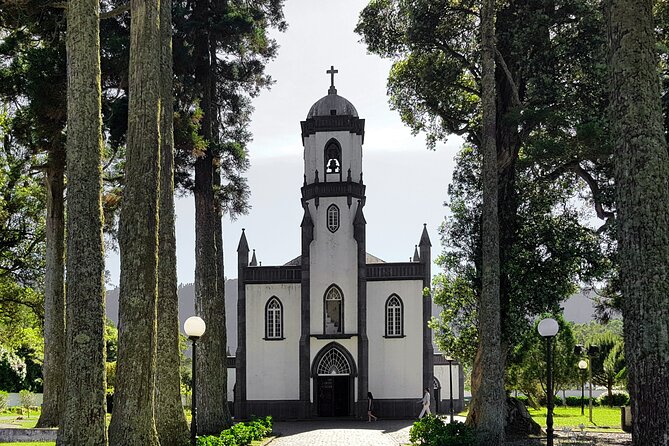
[{"x": 426, "y": 403}]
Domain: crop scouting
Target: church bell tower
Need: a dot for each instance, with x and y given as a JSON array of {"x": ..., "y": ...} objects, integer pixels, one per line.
[{"x": 333, "y": 236}]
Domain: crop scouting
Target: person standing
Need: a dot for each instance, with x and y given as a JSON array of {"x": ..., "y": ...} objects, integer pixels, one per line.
[
  {"x": 370, "y": 407},
  {"x": 426, "y": 403}
]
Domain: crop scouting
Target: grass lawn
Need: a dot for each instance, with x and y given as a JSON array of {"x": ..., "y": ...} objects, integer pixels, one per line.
[
  {"x": 602, "y": 417},
  {"x": 19, "y": 420},
  {"x": 37, "y": 443}
]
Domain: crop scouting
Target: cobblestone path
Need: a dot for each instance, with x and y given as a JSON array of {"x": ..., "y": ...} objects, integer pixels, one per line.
[{"x": 342, "y": 433}]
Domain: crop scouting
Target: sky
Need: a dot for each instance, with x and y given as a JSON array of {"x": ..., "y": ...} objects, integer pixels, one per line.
[{"x": 406, "y": 182}]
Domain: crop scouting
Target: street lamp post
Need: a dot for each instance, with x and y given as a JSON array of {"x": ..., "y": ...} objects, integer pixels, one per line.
[
  {"x": 548, "y": 328},
  {"x": 592, "y": 351},
  {"x": 582, "y": 365},
  {"x": 194, "y": 328}
]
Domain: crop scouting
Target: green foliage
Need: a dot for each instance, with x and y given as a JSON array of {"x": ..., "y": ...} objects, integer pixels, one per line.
[
  {"x": 432, "y": 431},
  {"x": 4, "y": 396},
  {"x": 608, "y": 364},
  {"x": 27, "y": 398},
  {"x": 552, "y": 147},
  {"x": 575, "y": 401},
  {"x": 240, "y": 434},
  {"x": 615, "y": 399},
  {"x": 527, "y": 366},
  {"x": 13, "y": 371}
]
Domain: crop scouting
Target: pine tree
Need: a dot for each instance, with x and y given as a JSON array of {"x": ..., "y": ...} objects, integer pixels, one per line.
[
  {"x": 170, "y": 419},
  {"x": 84, "y": 416},
  {"x": 133, "y": 420},
  {"x": 642, "y": 191},
  {"x": 53, "y": 370}
]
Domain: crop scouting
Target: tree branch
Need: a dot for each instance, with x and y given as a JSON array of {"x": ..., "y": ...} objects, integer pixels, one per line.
[
  {"x": 509, "y": 78},
  {"x": 575, "y": 167},
  {"x": 115, "y": 12}
]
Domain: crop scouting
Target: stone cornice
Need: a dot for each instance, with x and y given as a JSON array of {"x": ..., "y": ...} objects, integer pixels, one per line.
[{"x": 333, "y": 123}]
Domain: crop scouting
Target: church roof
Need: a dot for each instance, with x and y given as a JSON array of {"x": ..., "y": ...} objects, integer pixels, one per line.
[
  {"x": 325, "y": 106},
  {"x": 370, "y": 259}
]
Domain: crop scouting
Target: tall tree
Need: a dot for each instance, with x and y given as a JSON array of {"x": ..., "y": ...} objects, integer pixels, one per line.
[
  {"x": 213, "y": 412},
  {"x": 489, "y": 399},
  {"x": 133, "y": 420},
  {"x": 170, "y": 419},
  {"x": 84, "y": 416},
  {"x": 54, "y": 292},
  {"x": 35, "y": 78},
  {"x": 642, "y": 197}
]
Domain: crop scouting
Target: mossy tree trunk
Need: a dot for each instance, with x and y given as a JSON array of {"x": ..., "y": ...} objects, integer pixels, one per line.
[
  {"x": 133, "y": 420},
  {"x": 53, "y": 370},
  {"x": 170, "y": 419},
  {"x": 212, "y": 410},
  {"x": 642, "y": 193},
  {"x": 489, "y": 402},
  {"x": 83, "y": 419}
]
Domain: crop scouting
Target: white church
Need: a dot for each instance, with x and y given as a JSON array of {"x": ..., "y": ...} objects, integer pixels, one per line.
[{"x": 318, "y": 333}]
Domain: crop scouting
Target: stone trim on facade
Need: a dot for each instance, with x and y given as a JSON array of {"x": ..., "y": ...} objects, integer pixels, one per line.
[
  {"x": 395, "y": 271},
  {"x": 333, "y": 123}
]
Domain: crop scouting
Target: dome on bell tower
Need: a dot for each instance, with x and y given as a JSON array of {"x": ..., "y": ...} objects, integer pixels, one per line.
[{"x": 332, "y": 104}]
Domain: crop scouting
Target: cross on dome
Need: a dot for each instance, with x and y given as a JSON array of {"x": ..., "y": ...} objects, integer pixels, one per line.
[{"x": 332, "y": 73}]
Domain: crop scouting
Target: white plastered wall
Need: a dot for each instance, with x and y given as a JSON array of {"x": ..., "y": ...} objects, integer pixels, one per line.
[
  {"x": 395, "y": 364},
  {"x": 441, "y": 373},
  {"x": 334, "y": 259},
  {"x": 272, "y": 366},
  {"x": 314, "y": 154}
]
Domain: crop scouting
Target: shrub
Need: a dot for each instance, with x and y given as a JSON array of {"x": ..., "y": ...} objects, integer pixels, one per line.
[
  {"x": 616, "y": 399},
  {"x": 28, "y": 399},
  {"x": 3, "y": 400},
  {"x": 431, "y": 431},
  {"x": 241, "y": 434},
  {"x": 557, "y": 401}
]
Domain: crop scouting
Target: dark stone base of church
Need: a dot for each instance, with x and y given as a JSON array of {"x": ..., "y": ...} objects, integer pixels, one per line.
[
  {"x": 278, "y": 409},
  {"x": 444, "y": 406},
  {"x": 397, "y": 408},
  {"x": 298, "y": 410}
]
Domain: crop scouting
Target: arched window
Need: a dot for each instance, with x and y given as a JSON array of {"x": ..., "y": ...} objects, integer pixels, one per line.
[
  {"x": 273, "y": 319},
  {"x": 332, "y": 158},
  {"x": 333, "y": 319},
  {"x": 333, "y": 218},
  {"x": 333, "y": 363},
  {"x": 394, "y": 317}
]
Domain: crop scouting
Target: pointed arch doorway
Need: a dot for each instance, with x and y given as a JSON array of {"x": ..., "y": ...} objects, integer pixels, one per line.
[{"x": 333, "y": 371}]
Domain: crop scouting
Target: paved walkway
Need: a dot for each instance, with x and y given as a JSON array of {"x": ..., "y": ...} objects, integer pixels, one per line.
[{"x": 342, "y": 433}]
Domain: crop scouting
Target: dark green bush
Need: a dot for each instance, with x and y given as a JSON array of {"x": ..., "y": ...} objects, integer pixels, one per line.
[
  {"x": 616, "y": 399},
  {"x": 432, "y": 431},
  {"x": 557, "y": 401},
  {"x": 241, "y": 434}
]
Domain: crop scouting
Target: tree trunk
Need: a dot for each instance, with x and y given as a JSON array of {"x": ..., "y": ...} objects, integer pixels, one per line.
[
  {"x": 170, "y": 419},
  {"x": 53, "y": 370},
  {"x": 641, "y": 167},
  {"x": 220, "y": 324},
  {"x": 213, "y": 414},
  {"x": 133, "y": 416},
  {"x": 489, "y": 400},
  {"x": 83, "y": 419}
]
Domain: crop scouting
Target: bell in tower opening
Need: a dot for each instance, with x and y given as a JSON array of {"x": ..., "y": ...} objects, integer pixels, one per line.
[{"x": 333, "y": 161}]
